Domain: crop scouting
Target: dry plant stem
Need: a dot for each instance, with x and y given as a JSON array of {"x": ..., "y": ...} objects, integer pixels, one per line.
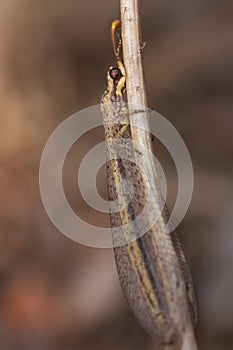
[{"x": 136, "y": 95}]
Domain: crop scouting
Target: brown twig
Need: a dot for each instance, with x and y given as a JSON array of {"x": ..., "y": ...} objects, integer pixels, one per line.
[{"x": 136, "y": 95}]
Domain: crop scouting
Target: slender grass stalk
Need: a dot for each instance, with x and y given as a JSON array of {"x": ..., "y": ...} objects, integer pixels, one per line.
[{"x": 136, "y": 95}]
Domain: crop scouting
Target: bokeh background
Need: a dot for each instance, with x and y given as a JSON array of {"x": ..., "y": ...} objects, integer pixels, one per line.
[{"x": 54, "y": 293}]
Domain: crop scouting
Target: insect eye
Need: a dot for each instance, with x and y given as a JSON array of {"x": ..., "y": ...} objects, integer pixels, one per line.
[{"x": 115, "y": 73}]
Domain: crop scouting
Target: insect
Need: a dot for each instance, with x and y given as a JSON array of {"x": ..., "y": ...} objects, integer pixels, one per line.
[{"x": 152, "y": 268}]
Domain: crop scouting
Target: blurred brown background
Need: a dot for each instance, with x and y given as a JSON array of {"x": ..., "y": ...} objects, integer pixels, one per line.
[{"x": 54, "y": 293}]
